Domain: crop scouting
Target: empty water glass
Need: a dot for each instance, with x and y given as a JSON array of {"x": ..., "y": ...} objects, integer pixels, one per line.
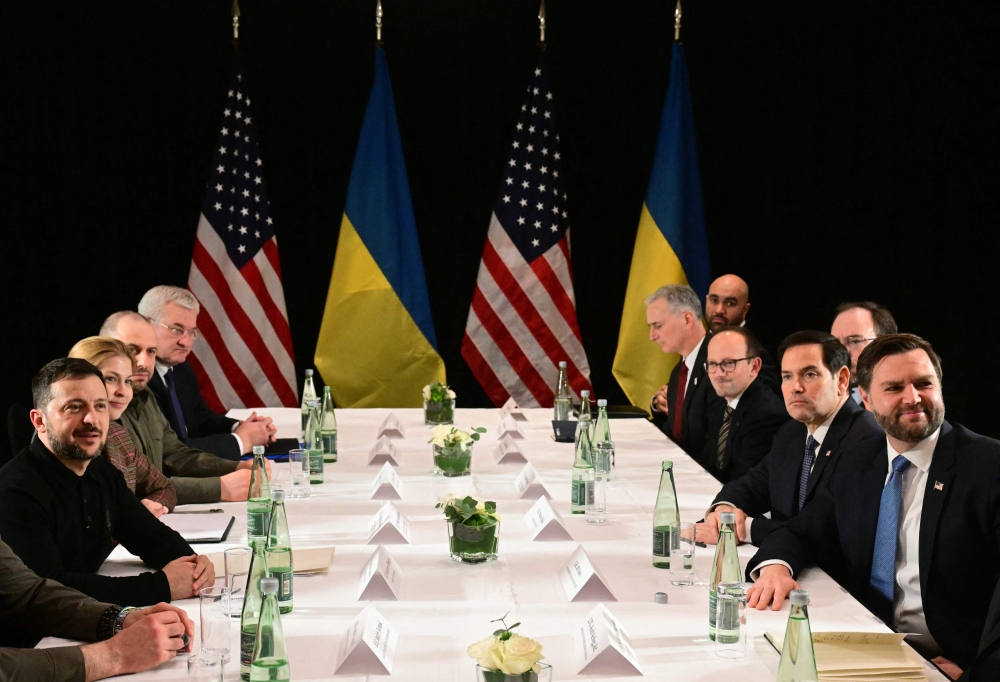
[
  {"x": 597, "y": 496},
  {"x": 731, "y": 620},
  {"x": 237, "y": 569},
  {"x": 682, "y": 555},
  {"x": 216, "y": 623},
  {"x": 206, "y": 668},
  {"x": 298, "y": 464}
]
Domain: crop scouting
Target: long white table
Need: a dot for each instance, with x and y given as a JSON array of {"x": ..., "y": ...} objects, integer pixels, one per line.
[{"x": 444, "y": 606}]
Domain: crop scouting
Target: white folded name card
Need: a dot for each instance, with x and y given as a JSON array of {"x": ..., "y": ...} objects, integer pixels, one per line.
[
  {"x": 581, "y": 581},
  {"x": 380, "y": 577},
  {"x": 509, "y": 427},
  {"x": 389, "y": 527},
  {"x": 387, "y": 484},
  {"x": 529, "y": 486},
  {"x": 391, "y": 428},
  {"x": 369, "y": 646},
  {"x": 512, "y": 409},
  {"x": 602, "y": 647},
  {"x": 383, "y": 452},
  {"x": 508, "y": 452},
  {"x": 543, "y": 522}
]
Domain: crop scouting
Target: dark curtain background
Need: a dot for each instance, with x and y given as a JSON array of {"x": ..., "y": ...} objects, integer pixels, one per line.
[{"x": 848, "y": 150}]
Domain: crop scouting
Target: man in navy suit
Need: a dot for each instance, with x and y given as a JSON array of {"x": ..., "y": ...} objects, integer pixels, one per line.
[
  {"x": 910, "y": 526},
  {"x": 174, "y": 314},
  {"x": 741, "y": 431}
]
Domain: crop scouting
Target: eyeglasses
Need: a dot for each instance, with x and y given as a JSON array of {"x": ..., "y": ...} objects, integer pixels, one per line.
[
  {"x": 178, "y": 332},
  {"x": 855, "y": 341},
  {"x": 726, "y": 365}
]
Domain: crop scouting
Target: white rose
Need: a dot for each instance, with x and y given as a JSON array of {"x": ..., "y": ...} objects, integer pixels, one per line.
[
  {"x": 427, "y": 392},
  {"x": 481, "y": 507},
  {"x": 451, "y": 394},
  {"x": 520, "y": 655},
  {"x": 481, "y": 651},
  {"x": 446, "y": 500}
]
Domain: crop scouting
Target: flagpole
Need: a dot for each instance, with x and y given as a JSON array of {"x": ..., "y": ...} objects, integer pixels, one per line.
[
  {"x": 541, "y": 26},
  {"x": 677, "y": 22},
  {"x": 378, "y": 22},
  {"x": 236, "y": 24}
]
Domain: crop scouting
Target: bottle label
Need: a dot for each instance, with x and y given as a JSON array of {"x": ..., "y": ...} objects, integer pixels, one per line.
[
  {"x": 285, "y": 587},
  {"x": 661, "y": 543},
  {"x": 315, "y": 462},
  {"x": 330, "y": 444},
  {"x": 579, "y": 493},
  {"x": 257, "y": 523},
  {"x": 246, "y": 648}
]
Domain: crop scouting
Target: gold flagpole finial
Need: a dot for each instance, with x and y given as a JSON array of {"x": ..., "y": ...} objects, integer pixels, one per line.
[
  {"x": 378, "y": 22},
  {"x": 236, "y": 20},
  {"x": 677, "y": 22},
  {"x": 541, "y": 23}
]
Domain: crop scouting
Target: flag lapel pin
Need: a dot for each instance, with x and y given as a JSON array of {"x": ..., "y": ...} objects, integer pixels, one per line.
[
  {"x": 938, "y": 485},
  {"x": 829, "y": 452}
]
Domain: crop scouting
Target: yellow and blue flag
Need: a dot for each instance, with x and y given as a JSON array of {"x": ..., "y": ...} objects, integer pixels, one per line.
[
  {"x": 376, "y": 344},
  {"x": 671, "y": 246}
]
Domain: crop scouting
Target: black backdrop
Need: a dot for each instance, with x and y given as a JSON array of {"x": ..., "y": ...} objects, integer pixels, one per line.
[{"x": 847, "y": 150}]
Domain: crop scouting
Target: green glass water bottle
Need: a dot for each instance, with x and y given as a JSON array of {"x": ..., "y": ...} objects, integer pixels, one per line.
[
  {"x": 270, "y": 658},
  {"x": 604, "y": 447},
  {"x": 564, "y": 398},
  {"x": 258, "y": 498},
  {"x": 328, "y": 427},
  {"x": 279, "y": 551},
  {"x": 583, "y": 461},
  {"x": 314, "y": 444},
  {"x": 252, "y": 602},
  {"x": 586, "y": 420},
  {"x": 666, "y": 517},
  {"x": 725, "y": 566},
  {"x": 798, "y": 660},
  {"x": 308, "y": 393}
]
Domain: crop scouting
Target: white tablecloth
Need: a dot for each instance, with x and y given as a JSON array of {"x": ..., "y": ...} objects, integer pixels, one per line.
[{"x": 444, "y": 606}]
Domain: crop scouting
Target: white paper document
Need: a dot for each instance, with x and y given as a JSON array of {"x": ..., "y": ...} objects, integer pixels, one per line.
[
  {"x": 602, "y": 646},
  {"x": 581, "y": 581},
  {"x": 512, "y": 409},
  {"x": 508, "y": 452},
  {"x": 543, "y": 522},
  {"x": 509, "y": 427},
  {"x": 387, "y": 484},
  {"x": 368, "y": 646},
  {"x": 389, "y": 527},
  {"x": 380, "y": 577},
  {"x": 391, "y": 427},
  {"x": 210, "y": 527},
  {"x": 383, "y": 452}
]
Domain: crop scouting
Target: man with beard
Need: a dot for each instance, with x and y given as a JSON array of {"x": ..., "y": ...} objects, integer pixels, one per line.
[
  {"x": 909, "y": 526},
  {"x": 61, "y": 503},
  {"x": 198, "y": 476},
  {"x": 727, "y": 305},
  {"x": 857, "y": 324}
]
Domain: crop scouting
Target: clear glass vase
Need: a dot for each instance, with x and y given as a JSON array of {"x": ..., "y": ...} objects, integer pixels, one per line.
[
  {"x": 544, "y": 674},
  {"x": 473, "y": 544},
  {"x": 451, "y": 461},
  {"x": 439, "y": 412}
]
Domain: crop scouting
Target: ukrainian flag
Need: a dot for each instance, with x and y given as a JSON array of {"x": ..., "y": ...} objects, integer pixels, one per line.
[
  {"x": 376, "y": 344},
  {"x": 671, "y": 245}
]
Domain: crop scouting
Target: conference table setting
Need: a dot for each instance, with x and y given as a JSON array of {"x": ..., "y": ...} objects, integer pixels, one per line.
[{"x": 383, "y": 599}]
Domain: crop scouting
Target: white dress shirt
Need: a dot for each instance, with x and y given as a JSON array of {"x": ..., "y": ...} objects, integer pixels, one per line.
[
  {"x": 690, "y": 359},
  {"x": 162, "y": 369}
]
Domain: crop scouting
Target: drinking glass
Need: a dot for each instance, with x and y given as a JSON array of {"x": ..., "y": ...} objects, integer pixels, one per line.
[
  {"x": 206, "y": 668},
  {"x": 237, "y": 569},
  {"x": 731, "y": 620},
  {"x": 597, "y": 496},
  {"x": 682, "y": 555},
  {"x": 298, "y": 463},
  {"x": 216, "y": 622}
]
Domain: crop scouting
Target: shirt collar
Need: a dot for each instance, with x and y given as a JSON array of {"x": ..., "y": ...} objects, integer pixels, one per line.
[
  {"x": 41, "y": 454},
  {"x": 735, "y": 401},
  {"x": 822, "y": 430},
  {"x": 692, "y": 357},
  {"x": 162, "y": 370},
  {"x": 920, "y": 455}
]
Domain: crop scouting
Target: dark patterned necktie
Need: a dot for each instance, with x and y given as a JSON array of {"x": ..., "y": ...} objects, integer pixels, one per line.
[
  {"x": 720, "y": 452},
  {"x": 807, "y": 464},
  {"x": 678, "y": 406},
  {"x": 176, "y": 403}
]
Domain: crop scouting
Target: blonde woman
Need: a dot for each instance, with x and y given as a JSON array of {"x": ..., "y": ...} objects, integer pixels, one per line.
[{"x": 148, "y": 483}]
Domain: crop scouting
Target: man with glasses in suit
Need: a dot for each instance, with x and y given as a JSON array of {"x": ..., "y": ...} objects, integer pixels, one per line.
[{"x": 856, "y": 325}]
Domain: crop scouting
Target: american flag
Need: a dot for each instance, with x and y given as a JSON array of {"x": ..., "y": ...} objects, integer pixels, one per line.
[
  {"x": 244, "y": 356},
  {"x": 522, "y": 321}
]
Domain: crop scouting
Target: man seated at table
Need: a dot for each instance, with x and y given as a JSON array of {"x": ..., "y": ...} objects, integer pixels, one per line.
[
  {"x": 61, "y": 503},
  {"x": 198, "y": 476},
  {"x": 129, "y": 640},
  {"x": 174, "y": 314},
  {"x": 826, "y": 426},
  {"x": 741, "y": 433},
  {"x": 726, "y": 305},
  {"x": 857, "y": 324},
  {"x": 911, "y": 524}
]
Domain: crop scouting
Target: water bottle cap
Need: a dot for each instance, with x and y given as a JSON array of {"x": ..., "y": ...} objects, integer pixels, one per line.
[
  {"x": 258, "y": 449},
  {"x": 799, "y": 597},
  {"x": 727, "y": 517},
  {"x": 584, "y": 394},
  {"x": 312, "y": 403},
  {"x": 562, "y": 364},
  {"x": 309, "y": 372},
  {"x": 660, "y": 598},
  {"x": 269, "y": 586},
  {"x": 278, "y": 495},
  {"x": 602, "y": 403},
  {"x": 667, "y": 464}
]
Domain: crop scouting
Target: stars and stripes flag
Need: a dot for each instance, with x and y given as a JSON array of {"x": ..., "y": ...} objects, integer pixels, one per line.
[
  {"x": 244, "y": 356},
  {"x": 522, "y": 321}
]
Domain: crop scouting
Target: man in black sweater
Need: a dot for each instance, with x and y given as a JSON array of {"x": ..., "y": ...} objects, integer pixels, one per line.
[{"x": 61, "y": 504}]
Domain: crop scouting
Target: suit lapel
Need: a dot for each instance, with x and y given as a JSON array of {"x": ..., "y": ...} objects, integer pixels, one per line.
[
  {"x": 838, "y": 429},
  {"x": 935, "y": 493},
  {"x": 787, "y": 473},
  {"x": 696, "y": 380},
  {"x": 740, "y": 413}
]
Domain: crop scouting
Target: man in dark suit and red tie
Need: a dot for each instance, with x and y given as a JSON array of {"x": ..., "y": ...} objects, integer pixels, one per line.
[{"x": 911, "y": 525}]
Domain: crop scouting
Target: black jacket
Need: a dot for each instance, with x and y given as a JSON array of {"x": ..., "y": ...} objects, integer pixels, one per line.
[
  {"x": 61, "y": 526},
  {"x": 207, "y": 431},
  {"x": 757, "y": 417},
  {"x": 986, "y": 667},
  {"x": 699, "y": 401},
  {"x": 959, "y": 534},
  {"x": 773, "y": 484}
]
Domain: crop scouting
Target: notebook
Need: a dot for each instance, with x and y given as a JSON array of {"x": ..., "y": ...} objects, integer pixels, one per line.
[{"x": 861, "y": 656}]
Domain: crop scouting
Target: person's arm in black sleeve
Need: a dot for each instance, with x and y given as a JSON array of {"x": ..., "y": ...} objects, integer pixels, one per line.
[
  {"x": 750, "y": 493},
  {"x": 755, "y": 444},
  {"x": 222, "y": 445},
  {"x": 144, "y": 535}
]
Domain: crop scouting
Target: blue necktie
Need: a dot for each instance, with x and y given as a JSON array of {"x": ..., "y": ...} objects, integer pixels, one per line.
[
  {"x": 807, "y": 464},
  {"x": 176, "y": 403},
  {"x": 883, "y": 579}
]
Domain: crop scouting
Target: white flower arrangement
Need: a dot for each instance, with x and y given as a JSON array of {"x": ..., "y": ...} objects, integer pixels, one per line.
[
  {"x": 447, "y": 437},
  {"x": 507, "y": 652},
  {"x": 437, "y": 393}
]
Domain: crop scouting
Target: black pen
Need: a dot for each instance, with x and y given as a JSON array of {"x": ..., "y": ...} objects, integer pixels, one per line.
[{"x": 200, "y": 511}]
